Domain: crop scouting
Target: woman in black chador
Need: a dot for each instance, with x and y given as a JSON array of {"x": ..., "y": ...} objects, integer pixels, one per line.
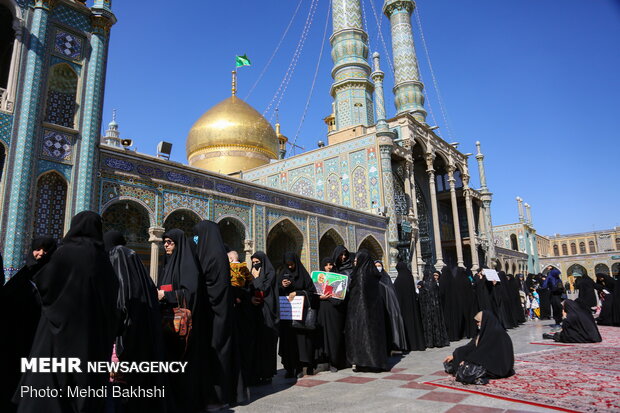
[
  {"x": 137, "y": 297},
  {"x": 394, "y": 327},
  {"x": 226, "y": 384},
  {"x": 296, "y": 345},
  {"x": 266, "y": 319},
  {"x": 481, "y": 288},
  {"x": 610, "y": 292},
  {"x": 404, "y": 285},
  {"x": 178, "y": 286},
  {"x": 432, "y": 314},
  {"x": 79, "y": 317},
  {"x": 466, "y": 302},
  {"x": 448, "y": 300},
  {"x": 578, "y": 325},
  {"x": 544, "y": 295},
  {"x": 491, "y": 348},
  {"x": 332, "y": 315},
  {"x": 365, "y": 323},
  {"x": 587, "y": 295},
  {"x": 343, "y": 262},
  {"x": 500, "y": 301},
  {"x": 20, "y": 296}
]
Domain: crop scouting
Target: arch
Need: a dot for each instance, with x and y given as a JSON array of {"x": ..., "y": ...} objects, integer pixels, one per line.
[
  {"x": 615, "y": 269},
  {"x": 233, "y": 234},
  {"x": 122, "y": 198},
  {"x": 130, "y": 218},
  {"x": 373, "y": 246},
  {"x": 359, "y": 188},
  {"x": 576, "y": 269},
  {"x": 303, "y": 186},
  {"x": 556, "y": 250},
  {"x": 183, "y": 219},
  {"x": 498, "y": 266},
  {"x": 283, "y": 237},
  {"x": 332, "y": 189},
  {"x": 591, "y": 247},
  {"x": 582, "y": 247},
  {"x": 7, "y": 42},
  {"x": 617, "y": 243},
  {"x": 514, "y": 244},
  {"x": 514, "y": 268},
  {"x": 573, "y": 248},
  {"x": 328, "y": 242},
  {"x": 61, "y": 95},
  {"x": 50, "y": 205},
  {"x": 564, "y": 249},
  {"x": 601, "y": 268}
]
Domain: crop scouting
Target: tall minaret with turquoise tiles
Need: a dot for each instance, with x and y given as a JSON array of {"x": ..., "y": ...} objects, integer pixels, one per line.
[
  {"x": 352, "y": 89},
  {"x": 408, "y": 89}
]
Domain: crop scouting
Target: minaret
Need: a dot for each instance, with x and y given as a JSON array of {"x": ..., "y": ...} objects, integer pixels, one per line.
[
  {"x": 351, "y": 90},
  {"x": 520, "y": 203},
  {"x": 528, "y": 213},
  {"x": 487, "y": 197},
  {"x": 377, "y": 77},
  {"x": 112, "y": 134},
  {"x": 408, "y": 95}
]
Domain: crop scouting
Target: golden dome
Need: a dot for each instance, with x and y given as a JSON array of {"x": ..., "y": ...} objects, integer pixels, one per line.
[{"x": 230, "y": 137}]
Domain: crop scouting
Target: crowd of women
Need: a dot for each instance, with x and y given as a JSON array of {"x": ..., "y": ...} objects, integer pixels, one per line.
[{"x": 92, "y": 298}]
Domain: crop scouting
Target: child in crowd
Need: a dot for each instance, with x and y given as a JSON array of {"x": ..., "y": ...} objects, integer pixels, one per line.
[{"x": 533, "y": 304}]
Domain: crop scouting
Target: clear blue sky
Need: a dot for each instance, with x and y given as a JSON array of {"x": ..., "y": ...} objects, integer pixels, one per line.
[{"x": 537, "y": 82}]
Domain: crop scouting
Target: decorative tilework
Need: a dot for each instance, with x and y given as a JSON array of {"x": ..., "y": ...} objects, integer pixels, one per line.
[
  {"x": 274, "y": 215},
  {"x": 222, "y": 209},
  {"x": 63, "y": 169},
  {"x": 360, "y": 188},
  {"x": 313, "y": 242},
  {"x": 357, "y": 158},
  {"x": 303, "y": 186},
  {"x": 273, "y": 181},
  {"x": 130, "y": 218},
  {"x": 326, "y": 224},
  {"x": 377, "y": 239},
  {"x": 333, "y": 190},
  {"x": 346, "y": 195},
  {"x": 6, "y": 124},
  {"x": 112, "y": 191},
  {"x": 260, "y": 229},
  {"x": 373, "y": 177},
  {"x": 388, "y": 191},
  {"x": 51, "y": 202},
  {"x": 61, "y": 102},
  {"x": 307, "y": 171},
  {"x": 56, "y": 145},
  {"x": 174, "y": 201},
  {"x": 68, "y": 45},
  {"x": 72, "y": 18}
]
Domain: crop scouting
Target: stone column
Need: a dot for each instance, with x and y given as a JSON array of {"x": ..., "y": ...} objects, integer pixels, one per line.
[
  {"x": 7, "y": 103},
  {"x": 471, "y": 223},
  {"x": 412, "y": 215},
  {"x": 520, "y": 204},
  {"x": 155, "y": 234},
  {"x": 18, "y": 194},
  {"x": 528, "y": 212},
  {"x": 102, "y": 21},
  {"x": 385, "y": 149},
  {"x": 439, "y": 264},
  {"x": 455, "y": 217},
  {"x": 408, "y": 90}
]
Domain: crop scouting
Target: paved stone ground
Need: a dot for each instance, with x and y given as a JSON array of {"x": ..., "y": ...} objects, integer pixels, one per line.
[{"x": 401, "y": 390}]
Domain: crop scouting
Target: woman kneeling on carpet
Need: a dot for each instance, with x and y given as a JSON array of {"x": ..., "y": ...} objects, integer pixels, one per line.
[
  {"x": 578, "y": 325},
  {"x": 487, "y": 356}
]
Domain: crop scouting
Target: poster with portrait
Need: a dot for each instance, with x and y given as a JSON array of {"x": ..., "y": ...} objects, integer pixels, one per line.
[{"x": 330, "y": 283}]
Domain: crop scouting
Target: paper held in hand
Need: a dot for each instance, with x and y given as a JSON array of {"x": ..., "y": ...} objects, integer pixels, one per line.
[
  {"x": 330, "y": 283},
  {"x": 292, "y": 310},
  {"x": 491, "y": 275}
]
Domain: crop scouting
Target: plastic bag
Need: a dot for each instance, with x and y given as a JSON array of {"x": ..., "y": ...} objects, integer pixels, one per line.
[{"x": 470, "y": 373}]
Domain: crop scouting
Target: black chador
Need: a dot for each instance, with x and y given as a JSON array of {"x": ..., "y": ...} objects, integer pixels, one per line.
[
  {"x": 365, "y": 322},
  {"x": 491, "y": 348},
  {"x": 79, "y": 316},
  {"x": 449, "y": 304},
  {"x": 224, "y": 361},
  {"x": 141, "y": 319},
  {"x": 296, "y": 345},
  {"x": 432, "y": 314},
  {"x": 544, "y": 295},
  {"x": 481, "y": 287},
  {"x": 587, "y": 295},
  {"x": 179, "y": 279},
  {"x": 394, "y": 327},
  {"x": 265, "y": 318},
  {"x": 404, "y": 285},
  {"x": 466, "y": 303},
  {"x": 343, "y": 262},
  {"x": 578, "y": 326},
  {"x": 332, "y": 315},
  {"x": 19, "y": 296},
  {"x": 610, "y": 309}
]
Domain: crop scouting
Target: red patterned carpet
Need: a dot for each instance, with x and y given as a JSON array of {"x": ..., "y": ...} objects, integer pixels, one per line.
[{"x": 579, "y": 378}]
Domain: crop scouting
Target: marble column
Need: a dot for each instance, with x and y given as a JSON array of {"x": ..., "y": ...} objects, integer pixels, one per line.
[
  {"x": 521, "y": 215},
  {"x": 455, "y": 218},
  {"x": 412, "y": 215},
  {"x": 155, "y": 234},
  {"x": 102, "y": 21},
  {"x": 528, "y": 213},
  {"x": 18, "y": 195},
  {"x": 439, "y": 264},
  {"x": 487, "y": 197},
  {"x": 471, "y": 223},
  {"x": 385, "y": 149}
]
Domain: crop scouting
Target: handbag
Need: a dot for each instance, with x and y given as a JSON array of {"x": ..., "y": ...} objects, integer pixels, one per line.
[
  {"x": 308, "y": 322},
  {"x": 470, "y": 373},
  {"x": 178, "y": 320}
]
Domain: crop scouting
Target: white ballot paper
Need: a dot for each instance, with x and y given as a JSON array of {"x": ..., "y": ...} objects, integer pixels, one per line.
[
  {"x": 292, "y": 310},
  {"x": 491, "y": 275}
]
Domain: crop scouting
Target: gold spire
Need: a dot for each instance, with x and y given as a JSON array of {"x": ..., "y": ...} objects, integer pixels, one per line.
[{"x": 234, "y": 83}]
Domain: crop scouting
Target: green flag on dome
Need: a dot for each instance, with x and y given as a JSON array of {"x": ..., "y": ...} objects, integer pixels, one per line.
[{"x": 242, "y": 61}]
